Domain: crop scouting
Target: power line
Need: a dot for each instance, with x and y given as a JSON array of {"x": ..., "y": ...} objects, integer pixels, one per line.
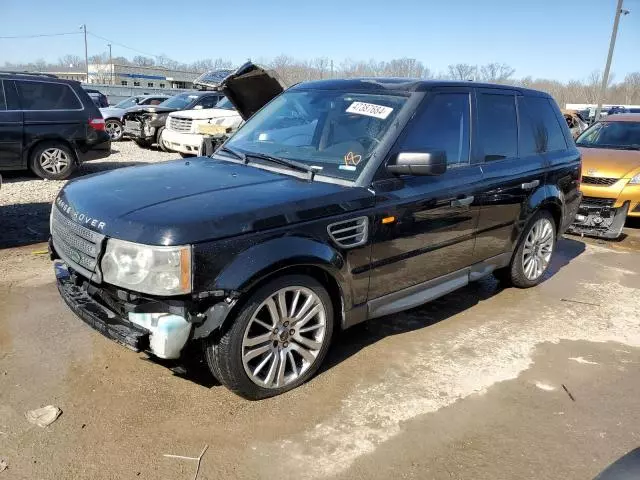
[
  {"x": 125, "y": 46},
  {"x": 39, "y": 35}
]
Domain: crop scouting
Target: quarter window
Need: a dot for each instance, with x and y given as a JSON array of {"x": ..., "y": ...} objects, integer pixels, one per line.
[
  {"x": 47, "y": 96},
  {"x": 498, "y": 128},
  {"x": 540, "y": 130},
  {"x": 442, "y": 125}
]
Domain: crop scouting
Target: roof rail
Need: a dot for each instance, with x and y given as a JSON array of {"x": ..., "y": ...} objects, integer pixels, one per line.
[{"x": 35, "y": 74}]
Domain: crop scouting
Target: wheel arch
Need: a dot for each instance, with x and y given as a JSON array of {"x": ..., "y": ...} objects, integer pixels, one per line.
[
  {"x": 52, "y": 140},
  {"x": 265, "y": 262}
]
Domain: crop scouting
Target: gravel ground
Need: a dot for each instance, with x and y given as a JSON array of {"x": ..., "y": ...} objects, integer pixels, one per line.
[{"x": 25, "y": 200}]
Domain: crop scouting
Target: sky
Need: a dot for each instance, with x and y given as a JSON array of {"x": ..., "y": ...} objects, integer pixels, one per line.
[{"x": 559, "y": 39}]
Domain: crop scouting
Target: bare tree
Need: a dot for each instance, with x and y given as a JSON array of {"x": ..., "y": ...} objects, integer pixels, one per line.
[
  {"x": 461, "y": 71},
  {"x": 143, "y": 61},
  {"x": 496, "y": 73},
  {"x": 71, "y": 61}
]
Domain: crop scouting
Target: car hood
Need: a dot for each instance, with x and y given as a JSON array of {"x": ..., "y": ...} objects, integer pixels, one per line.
[
  {"x": 184, "y": 202},
  {"x": 110, "y": 112},
  {"x": 205, "y": 113},
  {"x": 250, "y": 88},
  {"x": 151, "y": 109},
  {"x": 609, "y": 162}
]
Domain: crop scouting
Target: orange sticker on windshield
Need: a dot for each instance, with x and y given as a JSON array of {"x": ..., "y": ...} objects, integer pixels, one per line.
[{"x": 352, "y": 159}]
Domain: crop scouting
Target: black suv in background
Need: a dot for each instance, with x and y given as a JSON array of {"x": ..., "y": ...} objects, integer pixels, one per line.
[
  {"x": 338, "y": 202},
  {"x": 48, "y": 125},
  {"x": 145, "y": 124}
]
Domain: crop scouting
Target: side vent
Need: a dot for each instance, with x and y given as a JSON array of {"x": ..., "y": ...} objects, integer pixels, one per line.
[{"x": 350, "y": 233}]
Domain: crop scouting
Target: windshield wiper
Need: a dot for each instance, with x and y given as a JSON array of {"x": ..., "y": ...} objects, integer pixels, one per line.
[
  {"x": 301, "y": 167},
  {"x": 238, "y": 155}
]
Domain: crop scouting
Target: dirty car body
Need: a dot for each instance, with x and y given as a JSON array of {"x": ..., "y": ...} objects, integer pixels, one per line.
[
  {"x": 611, "y": 176},
  {"x": 327, "y": 194}
]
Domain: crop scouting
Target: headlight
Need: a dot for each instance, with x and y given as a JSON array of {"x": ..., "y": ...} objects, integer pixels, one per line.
[
  {"x": 635, "y": 180},
  {"x": 147, "y": 269}
]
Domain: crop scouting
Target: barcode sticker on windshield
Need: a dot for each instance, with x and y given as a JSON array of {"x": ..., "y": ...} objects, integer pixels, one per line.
[{"x": 369, "y": 109}]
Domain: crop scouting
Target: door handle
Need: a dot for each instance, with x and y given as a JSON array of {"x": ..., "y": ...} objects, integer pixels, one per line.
[
  {"x": 530, "y": 185},
  {"x": 462, "y": 202}
]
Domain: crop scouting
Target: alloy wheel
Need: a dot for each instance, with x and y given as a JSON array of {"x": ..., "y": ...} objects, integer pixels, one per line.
[
  {"x": 284, "y": 336},
  {"x": 114, "y": 129},
  {"x": 54, "y": 160},
  {"x": 538, "y": 247}
]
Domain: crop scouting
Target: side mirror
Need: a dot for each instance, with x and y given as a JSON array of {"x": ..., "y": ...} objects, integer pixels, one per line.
[{"x": 418, "y": 163}]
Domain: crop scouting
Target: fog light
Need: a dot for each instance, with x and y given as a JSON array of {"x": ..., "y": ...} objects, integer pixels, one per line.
[{"x": 169, "y": 332}]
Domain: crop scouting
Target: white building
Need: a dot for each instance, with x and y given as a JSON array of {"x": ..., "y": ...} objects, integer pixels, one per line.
[{"x": 136, "y": 76}]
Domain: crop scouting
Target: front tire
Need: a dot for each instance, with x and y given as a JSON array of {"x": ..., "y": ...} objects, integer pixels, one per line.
[
  {"x": 160, "y": 142},
  {"x": 277, "y": 341},
  {"x": 142, "y": 143},
  {"x": 52, "y": 161},
  {"x": 534, "y": 252}
]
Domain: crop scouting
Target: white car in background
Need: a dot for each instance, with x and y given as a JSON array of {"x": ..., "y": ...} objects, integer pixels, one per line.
[{"x": 182, "y": 134}]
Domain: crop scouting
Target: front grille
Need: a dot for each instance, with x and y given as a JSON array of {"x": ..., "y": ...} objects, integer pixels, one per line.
[
  {"x": 78, "y": 246},
  {"x": 606, "y": 182},
  {"x": 598, "y": 202},
  {"x": 179, "y": 124}
]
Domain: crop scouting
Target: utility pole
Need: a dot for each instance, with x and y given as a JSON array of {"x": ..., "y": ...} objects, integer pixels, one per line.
[
  {"x": 110, "y": 64},
  {"x": 83, "y": 27},
  {"x": 331, "y": 68},
  {"x": 612, "y": 44}
]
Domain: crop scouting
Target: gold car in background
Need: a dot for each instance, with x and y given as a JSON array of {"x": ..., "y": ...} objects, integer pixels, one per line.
[{"x": 610, "y": 176}]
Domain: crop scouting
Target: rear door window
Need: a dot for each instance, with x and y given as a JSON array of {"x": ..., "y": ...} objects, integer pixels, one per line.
[
  {"x": 498, "y": 127},
  {"x": 540, "y": 130},
  {"x": 35, "y": 95},
  {"x": 442, "y": 125}
]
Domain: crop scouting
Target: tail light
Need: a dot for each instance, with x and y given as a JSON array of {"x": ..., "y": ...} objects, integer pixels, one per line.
[{"x": 97, "y": 124}]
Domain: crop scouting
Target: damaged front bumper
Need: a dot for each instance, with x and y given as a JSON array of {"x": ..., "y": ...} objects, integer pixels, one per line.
[
  {"x": 139, "y": 128},
  {"x": 597, "y": 217},
  {"x": 162, "y": 332}
]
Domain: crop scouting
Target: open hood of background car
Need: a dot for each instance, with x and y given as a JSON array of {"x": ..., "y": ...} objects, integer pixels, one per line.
[{"x": 250, "y": 88}]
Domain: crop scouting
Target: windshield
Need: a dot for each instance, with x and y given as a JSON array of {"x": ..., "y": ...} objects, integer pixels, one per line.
[
  {"x": 334, "y": 132},
  {"x": 225, "y": 104},
  {"x": 127, "y": 103},
  {"x": 621, "y": 135},
  {"x": 179, "y": 101}
]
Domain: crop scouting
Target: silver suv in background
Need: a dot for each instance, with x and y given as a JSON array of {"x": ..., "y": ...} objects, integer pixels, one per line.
[{"x": 113, "y": 116}]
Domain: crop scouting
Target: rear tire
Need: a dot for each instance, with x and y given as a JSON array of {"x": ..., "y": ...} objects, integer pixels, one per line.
[
  {"x": 114, "y": 128},
  {"x": 533, "y": 255},
  {"x": 264, "y": 352},
  {"x": 53, "y": 161}
]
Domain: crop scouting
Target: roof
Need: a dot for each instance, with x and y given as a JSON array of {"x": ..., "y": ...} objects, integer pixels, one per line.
[
  {"x": 622, "y": 117},
  {"x": 402, "y": 85},
  {"x": 39, "y": 76}
]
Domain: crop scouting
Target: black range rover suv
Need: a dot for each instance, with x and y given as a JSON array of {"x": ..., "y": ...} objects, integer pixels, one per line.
[
  {"x": 337, "y": 202},
  {"x": 48, "y": 125}
]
